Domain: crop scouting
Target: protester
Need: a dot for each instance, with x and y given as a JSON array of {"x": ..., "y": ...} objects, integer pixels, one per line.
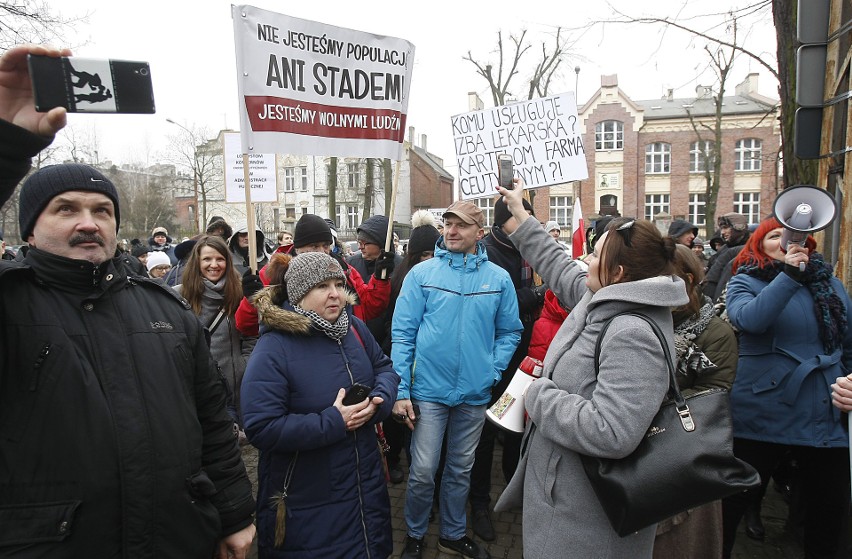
[
  {"x": 211, "y": 286},
  {"x": 683, "y": 232},
  {"x": 372, "y": 234},
  {"x": 794, "y": 343},
  {"x": 158, "y": 265},
  {"x": 219, "y": 227},
  {"x": 421, "y": 247},
  {"x": 502, "y": 252},
  {"x": 576, "y": 413},
  {"x": 320, "y": 475},
  {"x": 456, "y": 318},
  {"x": 285, "y": 238},
  {"x": 706, "y": 358},
  {"x": 734, "y": 231},
  {"x": 553, "y": 229},
  {"x": 698, "y": 251},
  {"x": 182, "y": 253},
  {"x": 109, "y": 429},
  {"x": 159, "y": 241},
  {"x": 239, "y": 246}
]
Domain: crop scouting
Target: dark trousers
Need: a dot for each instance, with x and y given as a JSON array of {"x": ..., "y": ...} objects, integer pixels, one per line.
[
  {"x": 480, "y": 474},
  {"x": 398, "y": 438},
  {"x": 824, "y": 479}
]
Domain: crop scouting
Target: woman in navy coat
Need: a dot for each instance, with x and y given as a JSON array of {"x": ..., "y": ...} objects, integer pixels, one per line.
[
  {"x": 322, "y": 489},
  {"x": 794, "y": 343}
]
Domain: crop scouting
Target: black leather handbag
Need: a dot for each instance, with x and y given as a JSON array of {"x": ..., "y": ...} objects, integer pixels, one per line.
[{"x": 686, "y": 458}]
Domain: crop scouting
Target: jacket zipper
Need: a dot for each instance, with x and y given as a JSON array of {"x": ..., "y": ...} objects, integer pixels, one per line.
[
  {"x": 42, "y": 355},
  {"x": 357, "y": 458}
]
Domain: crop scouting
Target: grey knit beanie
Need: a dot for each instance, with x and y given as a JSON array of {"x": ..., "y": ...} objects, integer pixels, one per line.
[
  {"x": 307, "y": 270},
  {"x": 40, "y": 188}
]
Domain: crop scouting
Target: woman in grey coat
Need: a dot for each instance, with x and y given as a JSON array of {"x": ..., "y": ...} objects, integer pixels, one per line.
[
  {"x": 211, "y": 285},
  {"x": 576, "y": 412}
]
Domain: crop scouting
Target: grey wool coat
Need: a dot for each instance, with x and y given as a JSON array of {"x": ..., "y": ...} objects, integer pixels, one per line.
[{"x": 576, "y": 413}]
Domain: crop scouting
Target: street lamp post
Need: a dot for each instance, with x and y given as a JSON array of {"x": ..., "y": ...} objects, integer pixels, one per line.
[{"x": 194, "y": 171}]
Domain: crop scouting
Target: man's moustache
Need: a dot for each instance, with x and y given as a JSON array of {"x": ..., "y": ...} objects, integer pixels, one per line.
[{"x": 84, "y": 238}]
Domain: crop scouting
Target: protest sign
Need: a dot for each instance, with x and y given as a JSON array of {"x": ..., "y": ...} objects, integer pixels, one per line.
[
  {"x": 262, "y": 173},
  {"x": 307, "y": 88},
  {"x": 541, "y": 135}
]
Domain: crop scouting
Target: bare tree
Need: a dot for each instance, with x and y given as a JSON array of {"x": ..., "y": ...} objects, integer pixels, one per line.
[
  {"x": 145, "y": 198},
  {"x": 782, "y": 68},
  {"x": 508, "y": 65},
  {"x": 34, "y": 21},
  {"x": 192, "y": 150}
]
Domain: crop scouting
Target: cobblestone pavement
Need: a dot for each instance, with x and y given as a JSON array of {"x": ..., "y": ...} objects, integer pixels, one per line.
[{"x": 779, "y": 544}]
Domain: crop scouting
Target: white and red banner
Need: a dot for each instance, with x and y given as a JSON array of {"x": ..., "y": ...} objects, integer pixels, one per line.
[
  {"x": 542, "y": 136},
  {"x": 578, "y": 231},
  {"x": 308, "y": 88}
]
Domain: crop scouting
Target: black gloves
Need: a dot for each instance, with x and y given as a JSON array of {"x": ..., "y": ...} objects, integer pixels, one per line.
[
  {"x": 539, "y": 293},
  {"x": 794, "y": 273},
  {"x": 384, "y": 265},
  {"x": 251, "y": 284}
]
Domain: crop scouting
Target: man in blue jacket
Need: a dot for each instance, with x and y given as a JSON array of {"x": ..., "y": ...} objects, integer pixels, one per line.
[{"x": 455, "y": 328}]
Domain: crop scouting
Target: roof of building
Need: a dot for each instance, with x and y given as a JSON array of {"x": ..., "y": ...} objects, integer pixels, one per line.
[
  {"x": 705, "y": 106},
  {"x": 428, "y": 158}
]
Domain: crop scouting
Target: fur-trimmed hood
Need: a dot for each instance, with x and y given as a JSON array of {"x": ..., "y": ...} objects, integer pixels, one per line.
[{"x": 275, "y": 311}]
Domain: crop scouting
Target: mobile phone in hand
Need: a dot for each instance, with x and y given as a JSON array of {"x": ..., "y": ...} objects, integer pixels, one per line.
[
  {"x": 504, "y": 171},
  {"x": 416, "y": 409},
  {"x": 89, "y": 85},
  {"x": 355, "y": 394}
]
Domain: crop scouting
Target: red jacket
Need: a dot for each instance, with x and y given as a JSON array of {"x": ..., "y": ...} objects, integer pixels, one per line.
[
  {"x": 373, "y": 297},
  {"x": 545, "y": 328}
]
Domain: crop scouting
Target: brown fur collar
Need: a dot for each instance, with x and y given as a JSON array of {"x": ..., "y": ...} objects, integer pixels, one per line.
[{"x": 269, "y": 304}]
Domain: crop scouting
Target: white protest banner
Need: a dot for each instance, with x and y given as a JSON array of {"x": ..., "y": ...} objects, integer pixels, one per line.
[
  {"x": 262, "y": 173},
  {"x": 541, "y": 135},
  {"x": 307, "y": 88}
]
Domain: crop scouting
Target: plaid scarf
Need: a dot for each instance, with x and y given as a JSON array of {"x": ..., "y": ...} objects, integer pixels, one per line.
[
  {"x": 828, "y": 306},
  {"x": 334, "y": 331}
]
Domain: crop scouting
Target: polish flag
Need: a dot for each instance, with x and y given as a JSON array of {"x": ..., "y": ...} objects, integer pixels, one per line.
[{"x": 578, "y": 231}]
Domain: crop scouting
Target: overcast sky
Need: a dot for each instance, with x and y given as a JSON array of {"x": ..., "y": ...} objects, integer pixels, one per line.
[{"x": 190, "y": 46}]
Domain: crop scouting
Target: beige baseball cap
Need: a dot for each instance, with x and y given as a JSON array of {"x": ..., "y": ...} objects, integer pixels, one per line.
[{"x": 466, "y": 211}]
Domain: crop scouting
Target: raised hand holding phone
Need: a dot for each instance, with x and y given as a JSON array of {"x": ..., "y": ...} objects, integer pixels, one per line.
[{"x": 16, "y": 94}]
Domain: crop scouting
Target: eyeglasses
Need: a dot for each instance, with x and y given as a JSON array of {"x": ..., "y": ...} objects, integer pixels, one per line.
[{"x": 624, "y": 229}]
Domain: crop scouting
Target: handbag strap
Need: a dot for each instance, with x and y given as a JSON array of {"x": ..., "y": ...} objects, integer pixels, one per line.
[
  {"x": 674, "y": 390},
  {"x": 216, "y": 321}
]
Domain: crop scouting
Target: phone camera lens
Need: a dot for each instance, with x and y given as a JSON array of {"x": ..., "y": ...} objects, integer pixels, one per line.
[{"x": 143, "y": 71}]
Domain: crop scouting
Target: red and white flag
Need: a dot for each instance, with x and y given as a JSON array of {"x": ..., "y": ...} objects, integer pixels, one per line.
[{"x": 578, "y": 231}]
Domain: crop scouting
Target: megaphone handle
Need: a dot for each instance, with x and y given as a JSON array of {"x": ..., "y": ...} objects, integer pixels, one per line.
[{"x": 801, "y": 266}]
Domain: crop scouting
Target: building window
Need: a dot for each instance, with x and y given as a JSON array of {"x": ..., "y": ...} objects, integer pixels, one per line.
[
  {"x": 289, "y": 179},
  {"x": 748, "y": 204},
  {"x": 609, "y": 135},
  {"x": 304, "y": 171},
  {"x": 353, "y": 175},
  {"x": 560, "y": 210},
  {"x": 697, "y": 208},
  {"x": 747, "y": 155},
  {"x": 290, "y": 213},
  {"x": 348, "y": 214},
  {"x": 487, "y": 207},
  {"x": 658, "y": 158},
  {"x": 700, "y": 156},
  {"x": 654, "y": 204}
]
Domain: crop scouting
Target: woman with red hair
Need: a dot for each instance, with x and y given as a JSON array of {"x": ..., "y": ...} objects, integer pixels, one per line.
[{"x": 795, "y": 342}]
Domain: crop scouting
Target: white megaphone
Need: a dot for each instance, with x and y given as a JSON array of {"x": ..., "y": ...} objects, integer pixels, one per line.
[
  {"x": 508, "y": 411},
  {"x": 802, "y": 210}
]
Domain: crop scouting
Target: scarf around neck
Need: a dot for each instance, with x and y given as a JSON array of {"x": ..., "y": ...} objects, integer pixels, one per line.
[
  {"x": 828, "y": 306},
  {"x": 334, "y": 331},
  {"x": 690, "y": 357}
]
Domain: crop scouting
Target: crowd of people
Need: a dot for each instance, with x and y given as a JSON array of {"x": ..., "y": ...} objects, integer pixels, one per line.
[{"x": 130, "y": 379}]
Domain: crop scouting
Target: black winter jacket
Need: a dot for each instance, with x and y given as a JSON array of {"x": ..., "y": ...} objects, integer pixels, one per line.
[{"x": 114, "y": 439}]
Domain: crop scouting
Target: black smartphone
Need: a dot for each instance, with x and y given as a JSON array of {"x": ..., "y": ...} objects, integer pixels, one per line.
[
  {"x": 416, "y": 409},
  {"x": 504, "y": 170},
  {"x": 89, "y": 85},
  {"x": 356, "y": 393}
]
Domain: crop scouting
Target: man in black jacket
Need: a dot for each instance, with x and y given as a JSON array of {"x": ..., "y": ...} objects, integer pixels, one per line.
[
  {"x": 502, "y": 252},
  {"x": 112, "y": 417},
  {"x": 734, "y": 228}
]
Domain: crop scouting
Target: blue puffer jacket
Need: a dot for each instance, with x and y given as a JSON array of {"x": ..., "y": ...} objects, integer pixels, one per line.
[
  {"x": 455, "y": 327},
  {"x": 782, "y": 392},
  {"x": 337, "y": 503}
]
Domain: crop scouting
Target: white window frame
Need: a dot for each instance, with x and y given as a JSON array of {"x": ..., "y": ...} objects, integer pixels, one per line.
[
  {"x": 697, "y": 208},
  {"x": 748, "y": 155},
  {"x": 658, "y": 158},
  {"x": 656, "y": 203},
  {"x": 700, "y": 160},
  {"x": 304, "y": 178},
  {"x": 353, "y": 176},
  {"x": 487, "y": 207},
  {"x": 352, "y": 216},
  {"x": 561, "y": 208},
  {"x": 609, "y": 135},
  {"x": 289, "y": 179},
  {"x": 748, "y": 204}
]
